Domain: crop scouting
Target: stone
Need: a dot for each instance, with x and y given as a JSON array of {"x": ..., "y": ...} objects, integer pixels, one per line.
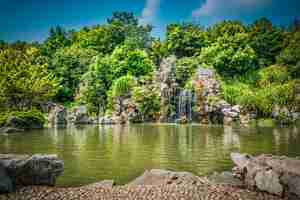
[
  {"x": 225, "y": 178},
  {"x": 278, "y": 175},
  {"x": 80, "y": 116},
  {"x": 32, "y": 170},
  {"x": 57, "y": 116},
  {"x": 269, "y": 181},
  {"x": 10, "y": 130},
  {"x": 106, "y": 120},
  {"x": 6, "y": 184},
  {"x": 293, "y": 183},
  {"x": 19, "y": 123},
  {"x": 162, "y": 177}
]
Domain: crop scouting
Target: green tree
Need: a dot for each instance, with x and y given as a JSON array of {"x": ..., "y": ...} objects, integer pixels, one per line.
[
  {"x": 58, "y": 38},
  {"x": 230, "y": 55},
  {"x": 68, "y": 65},
  {"x": 147, "y": 100},
  {"x": 120, "y": 90},
  {"x": 133, "y": 62},
  {"x": 266, "y": 40},
  {"x": 94, "y": 85},
  {"x": 290, "y": 55},
  {"x": 184, "y": 40},
  {"x": 24, "y": 82}
]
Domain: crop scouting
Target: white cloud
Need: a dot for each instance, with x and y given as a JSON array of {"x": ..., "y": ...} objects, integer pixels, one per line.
[
  {"x": 149, "y": 11},
  {"x": 212, "y": 8}
]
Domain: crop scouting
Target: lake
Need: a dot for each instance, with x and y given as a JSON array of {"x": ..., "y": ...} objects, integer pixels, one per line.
[{"x": 121, "y": 153}]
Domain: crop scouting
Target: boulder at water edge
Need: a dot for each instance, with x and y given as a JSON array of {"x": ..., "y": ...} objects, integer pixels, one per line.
[
  {"x": 28, "y": 170},
  {"x": 278, "y": 175}
]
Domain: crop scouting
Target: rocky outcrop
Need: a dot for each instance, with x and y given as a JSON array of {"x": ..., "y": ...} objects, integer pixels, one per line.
[
  {"x": 273, "y": 174},
  {"x": 79, "y": 115},
  {"x": 57, "y": 116},
  {"x": 16, "y": 124},
  {"x": 28, "y": 170}
]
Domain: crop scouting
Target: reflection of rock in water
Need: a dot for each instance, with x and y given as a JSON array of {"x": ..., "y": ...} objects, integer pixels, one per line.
[{"x": 231, "y": 138}]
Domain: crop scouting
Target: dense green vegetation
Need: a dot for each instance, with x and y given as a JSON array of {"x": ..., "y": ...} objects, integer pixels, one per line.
[{"x": 259, "y": 64}]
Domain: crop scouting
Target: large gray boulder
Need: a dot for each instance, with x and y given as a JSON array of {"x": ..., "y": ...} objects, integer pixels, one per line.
[
  {"x": 278, "y": 175},
  {"x": 79, "y": 115},
  {"x": 6, "y": 184},
  {"x": 29, "y": 170}
]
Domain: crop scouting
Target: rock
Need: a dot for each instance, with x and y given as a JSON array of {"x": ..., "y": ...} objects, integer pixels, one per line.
[
  {"x": 6, "y": 184},
  {"x": 32, "y": 170},
  {"x": 19, "y": 123},
  {"x": 106, "y": 120},
  {"x": 225, "y": 178},
  {"x": 268, "y": 181},
  {"x": 278, "y": 175},
  {"x": 162, "y": 177},
  {"x": 10, "y": 130},
  {"x": 292, "y": 182},
  {"x": 80, "y": 116},
  {"x": 57, "y": 116}
]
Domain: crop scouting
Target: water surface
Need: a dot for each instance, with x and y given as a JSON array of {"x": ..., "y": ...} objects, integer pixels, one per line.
[{"x": 121, "y": 153}]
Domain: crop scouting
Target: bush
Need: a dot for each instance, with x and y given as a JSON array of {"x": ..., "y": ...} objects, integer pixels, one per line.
[
  {"x": 31, "y": 117},
  {"x": 147, "y": 100},
  {"x": 122, "y": 86},
  {"x": 273, "y": 74},
  {"x": 185, "y": 68}
]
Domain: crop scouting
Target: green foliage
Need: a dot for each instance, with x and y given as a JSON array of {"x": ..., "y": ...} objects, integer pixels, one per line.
[
  {"x": 273, "y": 74},
  {"x": 24, "y": 82},
  {"x": 147, "y": 99},
  {"x": 185, "y": 39},
  {"x": 132, "y": 62},
  {"x": 94, "y": 85},
  {"x": 122, "y": 86},
  {"x": 58, "y": 38},
  {"x": 272, "y": 88},
  {"x": 225, "y": 29},
  {"x": 290, "y": 55},
  {"x": 68, "y": 65},
  {"x": 30, "y": 116},
  {"x": 230, "y": 55},
  {"x": 266, "y": 40},
  {"x": 185, "y": 68}
]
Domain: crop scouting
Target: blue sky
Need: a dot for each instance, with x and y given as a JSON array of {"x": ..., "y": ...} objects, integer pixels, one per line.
[{"x": 31, "y": 20}]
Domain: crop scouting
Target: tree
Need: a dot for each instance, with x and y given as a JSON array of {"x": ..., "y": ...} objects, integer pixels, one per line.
[
  {"x": 24, "y": 82},
  {"x": 132, "y": 62},
  {"x": 58, "y": 38},
  {"x": 230, "y": 55},
  {"x": 121, "y": 89},
  {"x": 68, "y": 65},
  {"x": 94, "y": 85},
  {"x": 266, "y": 40},
  {"x": 225, "y": 28},
  {"x": 185, "y": 40},
  {"x": 290, "y": 56}
]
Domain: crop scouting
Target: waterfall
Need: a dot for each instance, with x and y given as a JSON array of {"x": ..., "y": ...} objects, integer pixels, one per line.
[{"x": 184, "y": 104}]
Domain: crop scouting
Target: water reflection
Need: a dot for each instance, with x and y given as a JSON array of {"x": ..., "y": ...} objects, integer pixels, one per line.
[{"x": 93, "y": 153}]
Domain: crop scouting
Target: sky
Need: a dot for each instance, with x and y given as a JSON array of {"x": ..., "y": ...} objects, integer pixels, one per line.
[{"x": 30, "y": 20}]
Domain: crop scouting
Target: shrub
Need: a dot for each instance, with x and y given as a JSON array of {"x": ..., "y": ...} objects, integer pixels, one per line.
[
  {"x": 273, "y": 74},
  {"x": 30, "y": 116},
  {"x": 147, "y": 100}
]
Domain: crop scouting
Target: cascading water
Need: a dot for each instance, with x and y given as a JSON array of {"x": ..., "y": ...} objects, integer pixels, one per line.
[{"x": 185, "y": 104}]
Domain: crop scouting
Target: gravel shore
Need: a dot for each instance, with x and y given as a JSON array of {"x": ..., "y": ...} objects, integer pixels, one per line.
[{"x": 196, "y": 191}]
